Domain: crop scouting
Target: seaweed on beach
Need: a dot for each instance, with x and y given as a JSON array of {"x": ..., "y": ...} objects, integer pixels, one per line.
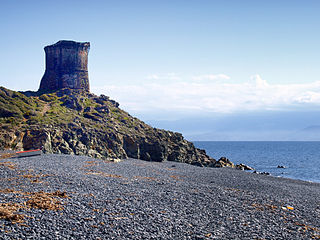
[
  {"x": 46, "y": 201},
  {"x": 8, "y": 211}
]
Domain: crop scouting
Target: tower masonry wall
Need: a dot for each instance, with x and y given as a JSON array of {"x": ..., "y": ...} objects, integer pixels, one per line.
[{"x": 66, "y": 66}]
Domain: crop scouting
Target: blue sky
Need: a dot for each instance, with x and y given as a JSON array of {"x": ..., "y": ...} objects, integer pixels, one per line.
[{"x": 174, "y": 59}]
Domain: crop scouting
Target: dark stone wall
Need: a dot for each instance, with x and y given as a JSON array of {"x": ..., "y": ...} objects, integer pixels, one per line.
[{"x": 66, "y": 66}]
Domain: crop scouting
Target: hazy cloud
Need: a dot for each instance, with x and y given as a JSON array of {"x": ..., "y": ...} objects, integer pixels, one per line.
[
  {"x": 168, "y": 76},
  {"x": 211, "y": 77},
  {"x": 214, "y": 96}
]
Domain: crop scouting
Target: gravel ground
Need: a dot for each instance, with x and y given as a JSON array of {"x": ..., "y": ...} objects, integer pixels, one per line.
[{"x": 76, "y": 197}]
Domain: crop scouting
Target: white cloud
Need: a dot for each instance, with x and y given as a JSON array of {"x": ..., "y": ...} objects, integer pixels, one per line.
[
  {"x": 211, "y": 77},
  {"x": 214, "y": 96},
  {"x": 168, "y": 76},
  {"x": 260, "y": 83}
]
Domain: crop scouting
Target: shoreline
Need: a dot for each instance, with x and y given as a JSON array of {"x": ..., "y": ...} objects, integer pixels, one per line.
[
  {"x": 283, "y": 177},
  {"x": 136, "y": 199},
  {"x": 300, "y": 159}
]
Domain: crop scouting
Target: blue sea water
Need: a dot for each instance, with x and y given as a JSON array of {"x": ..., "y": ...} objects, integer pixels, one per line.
[{"x": 301, "y": 159}]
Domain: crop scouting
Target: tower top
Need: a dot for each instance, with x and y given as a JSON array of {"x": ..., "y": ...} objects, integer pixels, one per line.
[{"x": 69, "y": 44}]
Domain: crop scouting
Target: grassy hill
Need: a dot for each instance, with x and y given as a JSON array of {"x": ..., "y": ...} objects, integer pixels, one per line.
[{"x": 75, "y": 122}]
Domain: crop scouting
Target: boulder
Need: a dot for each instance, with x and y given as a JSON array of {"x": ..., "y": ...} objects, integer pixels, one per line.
[
  {"x": 281, "y": 166},
  {"x": 242, "y": 166},
  {"x": 261, "y": 173},
  {"x": 224, "y": 162}
]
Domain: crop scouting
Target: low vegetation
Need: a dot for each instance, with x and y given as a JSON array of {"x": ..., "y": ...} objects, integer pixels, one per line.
[{"x": 77, "y": 122}]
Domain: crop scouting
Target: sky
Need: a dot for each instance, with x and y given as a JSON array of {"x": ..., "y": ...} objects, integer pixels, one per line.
[{"x": 177, "y": 61}]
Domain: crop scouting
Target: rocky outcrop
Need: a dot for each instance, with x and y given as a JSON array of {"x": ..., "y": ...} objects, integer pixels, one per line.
[
  {"x": 66, "y": 66},
  {"x": 72, "y": 122},
  {"x": 225, "y": 162}
]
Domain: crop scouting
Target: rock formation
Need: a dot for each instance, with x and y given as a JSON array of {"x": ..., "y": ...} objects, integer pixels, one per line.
[
  {"x": 66, "y": 66},
  {"x": 72, "y": 122}
]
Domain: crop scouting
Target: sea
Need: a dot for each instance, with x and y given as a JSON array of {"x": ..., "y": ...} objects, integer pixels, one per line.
[{"x": 300, "y": 159}]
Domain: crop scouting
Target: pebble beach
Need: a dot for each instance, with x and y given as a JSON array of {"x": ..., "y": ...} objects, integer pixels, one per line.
[{"x": 76, "y": 197}]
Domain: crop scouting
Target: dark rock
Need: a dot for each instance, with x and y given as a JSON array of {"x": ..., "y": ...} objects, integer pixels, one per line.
[
  {"x": 131, "y": 147},
  {"x": 91, "y": 116},
  {"x": 99, "y": 100},
  {"x": 29, "y": 93},
  {"x": 224, "y": 162},
  {"x": 6, "y": 113},
  {"x": 198, "y": 164},
  {"x": 242, "y": 166},
  {"x": 88, "y": 109},
  {"x": 98, "y": 115},
  {"x": 281, "y": 166},
  {"x": 116, "y": 104},
  {"x": 154, "y": 151},
  {"x": 104, "y": 97},
  {"x": 262, "y": 173},
  {"x": 102, "y": 109},
  {"x": 72, "y": 103}
]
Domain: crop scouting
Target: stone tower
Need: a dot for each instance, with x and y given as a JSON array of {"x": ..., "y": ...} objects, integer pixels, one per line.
[{"x": 66, "y": 66}]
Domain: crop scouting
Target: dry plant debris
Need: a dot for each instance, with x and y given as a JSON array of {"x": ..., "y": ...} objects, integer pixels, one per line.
[
  {"x": 262, "y": 207},
  {"x": 46, "y": 201},
  {"x": 8, "y": 212},
  {"x": 8, "y": 190},
  {"x": 304, "y": 228},
  {"x": 8, "y": 164},
  {"x": 146, "y": 178},
  {"x": 90, "y": 163},
  {"x": 91, "y": 172},
  {"x": 39, "y": 200},
  {"x": 176, "y": 177},
  {"x": 34, "y": 178},
  {"x": 6, "y": 155}
]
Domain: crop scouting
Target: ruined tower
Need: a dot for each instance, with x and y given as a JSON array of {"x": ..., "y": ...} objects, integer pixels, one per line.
[{"x": 66, "y": 66}]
